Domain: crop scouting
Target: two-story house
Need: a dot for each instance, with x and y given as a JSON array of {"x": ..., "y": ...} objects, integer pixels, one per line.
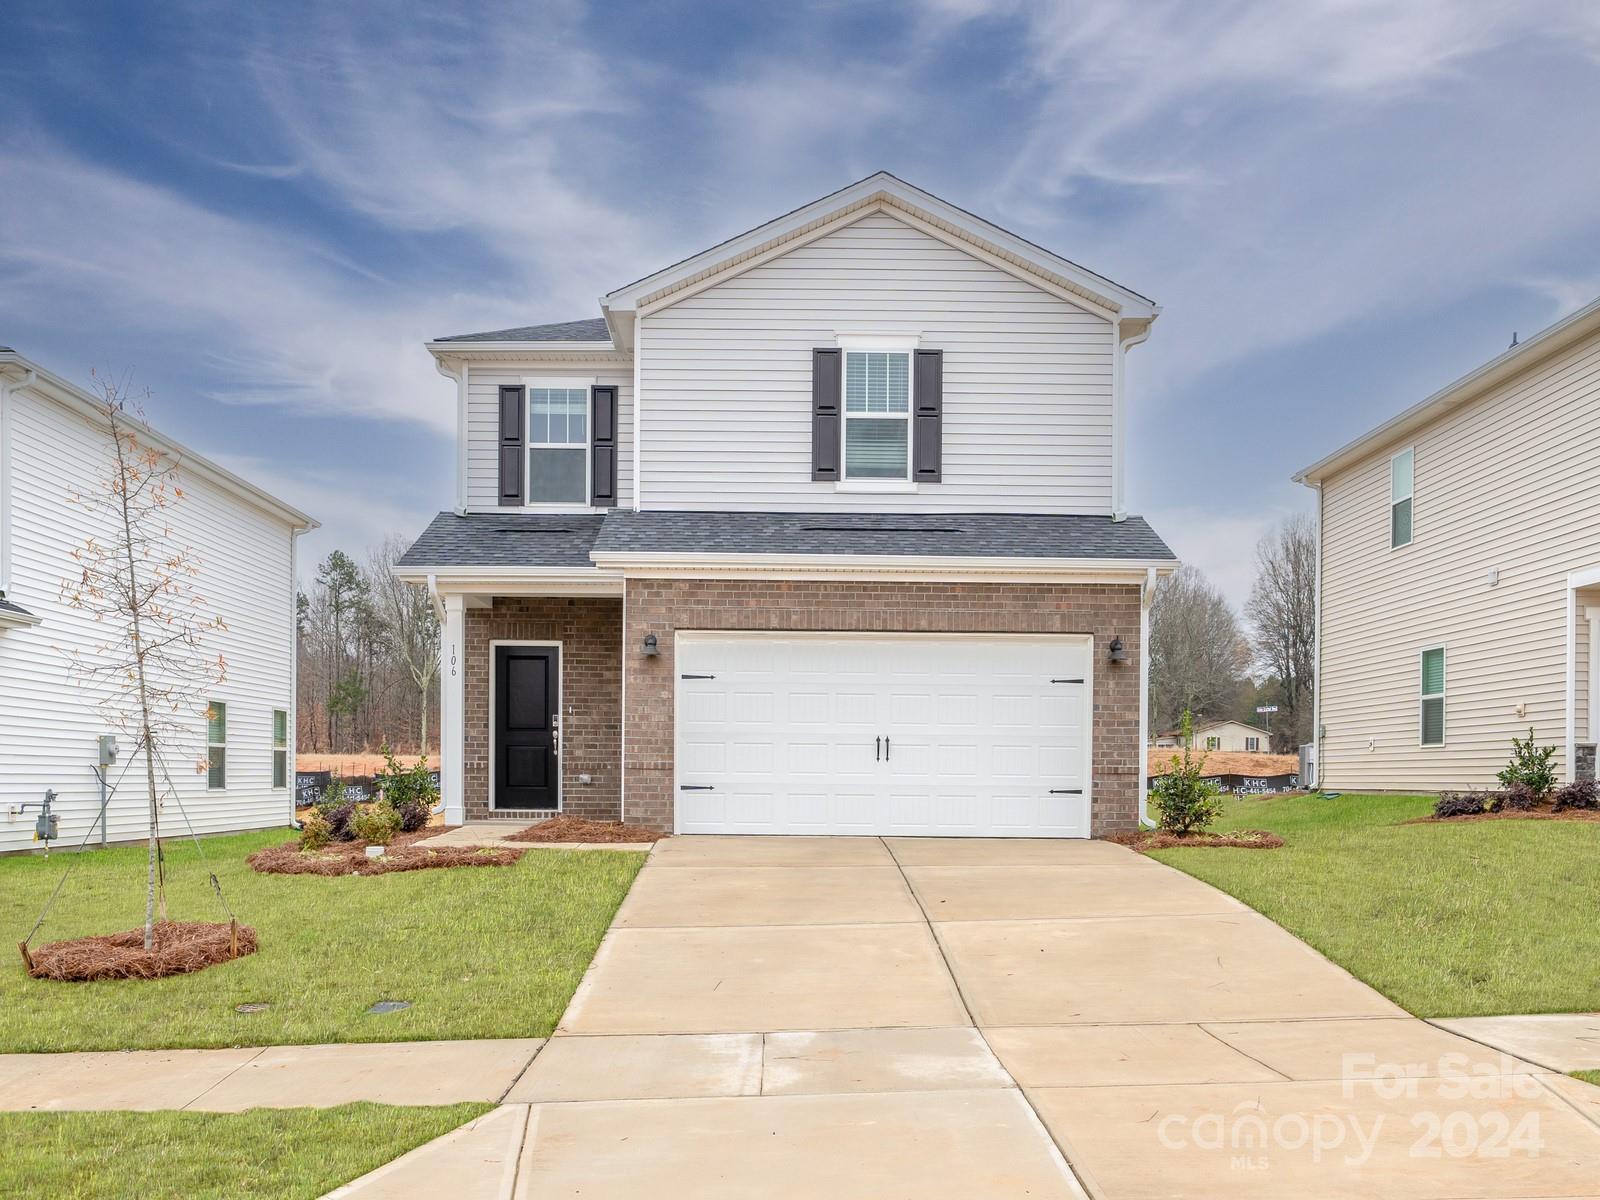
[
  {"x": 1459, "y": 579},
  {"x": 820, "y": 530}
]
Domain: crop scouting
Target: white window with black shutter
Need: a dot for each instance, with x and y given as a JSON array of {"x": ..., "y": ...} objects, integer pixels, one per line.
[
  {"x": 877, "y": 414},
  {"x": 558, "y": 444}
]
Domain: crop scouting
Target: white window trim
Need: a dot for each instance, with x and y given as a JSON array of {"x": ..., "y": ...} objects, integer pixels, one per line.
[
  {"x": 222, "y": 745},
  {"x": 885, "y": 344},
  {"x": 587, "y": 383},
  {"x": 277, "y": 750},
  {"x": 1252, "y": 745},
  {"x": 1444, "y": 704},
  {"x": 1411, "y": 496}
]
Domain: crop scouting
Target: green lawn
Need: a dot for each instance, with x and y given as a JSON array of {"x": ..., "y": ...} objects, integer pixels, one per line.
[
  {"x": 1588, "y": 1077},
  {"x": 268, "y": 1154},
  {"x": 1447, "y": 920},
  {"x": 480, "y": 952}
]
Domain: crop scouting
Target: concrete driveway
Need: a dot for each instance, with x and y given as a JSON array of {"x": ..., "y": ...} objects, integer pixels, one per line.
[{"x": 866, "y": 1018}]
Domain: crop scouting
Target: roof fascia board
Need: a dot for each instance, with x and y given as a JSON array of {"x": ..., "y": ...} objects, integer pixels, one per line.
[
  {"x": 1469, "y": 387},
  {"x": 632, "y": 562},
  {"x": 440, "y": 349},
  {"x": 74, "y": 399}
]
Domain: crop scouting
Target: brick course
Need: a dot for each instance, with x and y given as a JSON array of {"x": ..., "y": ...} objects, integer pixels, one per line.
[
  {"x": 662, "y": 606},
  {"x": 589, "y": 630}
]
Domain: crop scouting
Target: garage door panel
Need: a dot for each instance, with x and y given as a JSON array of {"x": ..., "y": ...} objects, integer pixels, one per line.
[{"x": 974, "y": 734}]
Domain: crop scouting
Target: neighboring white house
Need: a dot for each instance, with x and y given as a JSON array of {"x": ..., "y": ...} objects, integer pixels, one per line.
[
  {"x": 820, "y": 530},
  {"x": 1233, "y": 736},
  {"x": 1460, "y": 575},
  {"x": 241, "y": 772}
]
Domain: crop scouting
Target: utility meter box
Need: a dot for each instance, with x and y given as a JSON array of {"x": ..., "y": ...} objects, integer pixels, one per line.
[
  {"x": 108, "y": 749},
  {"x": 47, "y": 828}
]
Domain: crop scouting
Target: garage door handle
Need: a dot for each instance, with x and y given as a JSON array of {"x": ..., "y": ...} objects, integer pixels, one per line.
[
  {"x": 1066, "y": 681},
  {"x": 1066, "y": 791},
  {"x": 877, "y": 748},
  {"x": 885, "y": 749},
  {"x": 696, "y": 787}
]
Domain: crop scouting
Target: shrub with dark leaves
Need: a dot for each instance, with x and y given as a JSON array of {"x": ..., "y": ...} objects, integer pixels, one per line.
[
  {"x": 1580, "y": 794},
  {"x": 338, "y": 818},
  {"x": 1458, "y": 804},
  {"x": 1518, "y": 797}
]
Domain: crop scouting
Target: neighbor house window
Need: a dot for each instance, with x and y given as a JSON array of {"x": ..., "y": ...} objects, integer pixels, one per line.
[
  {"x": 216, "y": 744},
  {"x": 558, "y": 445},
  {"x": 1433, "y": 696},
  {"x": 877, "y": 414},
  {"x": 1213, "y": 743},
  {"x": 1401, "y": 479},
  {"x": 1252, "y": 744},
  {"x": 280, "y": 748}
]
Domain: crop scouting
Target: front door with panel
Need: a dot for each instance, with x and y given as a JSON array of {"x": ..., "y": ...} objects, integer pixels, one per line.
[{"x": 527, "y": 727}]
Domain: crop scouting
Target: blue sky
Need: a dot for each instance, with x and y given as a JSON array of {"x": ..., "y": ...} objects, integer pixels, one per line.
[{"x": 260, "y": 212}]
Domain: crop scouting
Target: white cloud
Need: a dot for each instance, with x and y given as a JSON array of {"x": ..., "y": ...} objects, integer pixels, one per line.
[{"x": 1220, "y": 545}]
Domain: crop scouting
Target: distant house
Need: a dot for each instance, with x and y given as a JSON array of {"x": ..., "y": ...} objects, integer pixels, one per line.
[
  {"x": 1460, "y": 575},
  {"x": 1219, "y": 735},
  {"x": 53, "y": 441}
]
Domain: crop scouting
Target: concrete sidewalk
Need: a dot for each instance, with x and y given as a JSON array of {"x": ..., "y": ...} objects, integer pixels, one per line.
[
  {"x": 1560, "y": 1041},
  {"x": 855, "y": 1018}
]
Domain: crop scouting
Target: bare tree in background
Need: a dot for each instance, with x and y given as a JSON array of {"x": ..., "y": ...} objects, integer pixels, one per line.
[
  {"x": 411, "y": 629},
  {"x": 153, "y": 668},
  {"x": 1197, "y": 656},
  {"x": 1282, "y": 611}
]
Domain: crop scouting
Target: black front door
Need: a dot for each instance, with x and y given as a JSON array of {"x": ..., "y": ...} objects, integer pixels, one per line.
[{"x": 527, "y": 727}]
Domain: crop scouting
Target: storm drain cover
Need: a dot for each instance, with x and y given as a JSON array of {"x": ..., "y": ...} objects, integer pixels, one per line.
[
  {"x": 389, "y": 1006},
  {"x": 251, "y": 1008}
]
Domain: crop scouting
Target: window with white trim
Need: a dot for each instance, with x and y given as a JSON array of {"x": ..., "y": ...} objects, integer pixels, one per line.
[
  {"x": 1252, "y": 745},
  {"x": 1402, "y": 480},
  {"x": 1213, "y": 743},
  {"x": 558, "y": 445},
  {"x": 216, "y": 744},
  {"x": 1432, "y": 717},
  {"x": 280, "y": 748},
  {"x": 877, "y": 415}
]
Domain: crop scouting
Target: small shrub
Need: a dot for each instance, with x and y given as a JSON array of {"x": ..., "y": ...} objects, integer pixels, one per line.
[
  {"x": 1184, "y": 802},
  {"x": 1532, "y": 765},
  {"x": 338, "y": 817},
  {"x": 1458, "y": 804},
  {"x": 1580, "y": 795},
  {"x": 1518, "y": 797},
  {"x": 376, "y": 823},
  {"x": 315, "y": 832},
  {"x": 409, "y": 789}
]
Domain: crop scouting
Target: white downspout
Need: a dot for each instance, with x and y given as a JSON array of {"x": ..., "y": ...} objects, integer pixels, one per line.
[
  {"x": 460, "y": 378},
  {"x": 1146, "y": 594},
  {"x": 293, "y": 731},
  {"x": 7, "y": 390}
]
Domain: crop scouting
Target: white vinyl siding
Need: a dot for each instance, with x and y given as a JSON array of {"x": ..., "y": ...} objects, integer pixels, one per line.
[
  {"x": 49, "y": 719},
  {"x": 726, "y": 379},
  {"x": 1511, "y": 487},
  {"x": 483, "y": 420}
]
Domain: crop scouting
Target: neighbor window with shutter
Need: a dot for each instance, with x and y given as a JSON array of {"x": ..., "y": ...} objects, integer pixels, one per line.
[
  {"x": 1433, "y": 696},
  {"x": 1213, "y": 743},
  {"x": 877, "y": 415},
  {"x": 558, "y": 445},
  {"x": 1252, "y": 745},
  {"x": 1402, "y": 479},
  {"x": 216, "y": 744},
  {"x": 280, "y": 748}
]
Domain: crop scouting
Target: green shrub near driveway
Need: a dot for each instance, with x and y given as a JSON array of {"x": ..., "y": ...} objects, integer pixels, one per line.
[
  {"x": 265, "y": 1153},
  {"x": 1448, "y": 920},
  {"x": 479, "y": 952}
]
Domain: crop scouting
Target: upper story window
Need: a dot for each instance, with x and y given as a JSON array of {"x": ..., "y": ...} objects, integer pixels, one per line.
[
  {"x": 558, "y": 445},
  {"x": 1402, "y": 473},
  {"x": 877, "y": 415}
]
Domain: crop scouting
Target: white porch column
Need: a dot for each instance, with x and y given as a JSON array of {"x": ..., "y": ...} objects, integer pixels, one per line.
[{"x": 452, "y": 709}]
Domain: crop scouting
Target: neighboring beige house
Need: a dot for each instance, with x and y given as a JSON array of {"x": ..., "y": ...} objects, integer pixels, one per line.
[
  {"x": 1459, "y": 588},
  {"x": 1232, "y": 736}
]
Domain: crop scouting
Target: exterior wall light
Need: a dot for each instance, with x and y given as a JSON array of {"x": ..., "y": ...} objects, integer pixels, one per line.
[
  {"x": 651, "y": 649},
  {"x": 1119, "y": 652}
]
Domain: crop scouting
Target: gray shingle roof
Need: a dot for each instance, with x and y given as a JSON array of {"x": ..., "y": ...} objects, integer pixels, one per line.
[
  {"x": 505, "y": 540},
  {"x": 590, "y": 330},
  {"x": 15, "y": 610},
  {"x": 539, "y": 540},
  {"x": 977, "y": 535}
]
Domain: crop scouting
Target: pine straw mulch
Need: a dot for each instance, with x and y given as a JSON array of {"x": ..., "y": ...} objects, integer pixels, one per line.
[
  {"x": 1159, "y": 839},
  {"x": 180, "y": 947},
  {"x": 350, "y": 858},
  {"x": 576, "y": 829},
  {"x": 1508, "y": 814}
]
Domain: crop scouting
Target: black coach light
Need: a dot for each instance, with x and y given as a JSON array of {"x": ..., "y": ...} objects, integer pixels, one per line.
[
  {"x": 651, "y": 649},
  {"x": 1119, "y": 652}
]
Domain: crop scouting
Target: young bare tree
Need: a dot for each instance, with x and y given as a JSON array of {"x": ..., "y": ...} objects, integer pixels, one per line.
[
  {"x": 1282, "y": 610},
  {"x": 412, "y": 631},
  {"x": 1197, "y": 657},
  {"x": 135, "y": 579}
]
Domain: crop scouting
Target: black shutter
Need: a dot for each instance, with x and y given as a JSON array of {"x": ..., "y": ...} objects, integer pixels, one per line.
[
  {"x": 513, "y": 447},
  {"x": 603, "y": 447},
  {"x": 826, "y": 372},
  {"x": 928, "y": 420}
]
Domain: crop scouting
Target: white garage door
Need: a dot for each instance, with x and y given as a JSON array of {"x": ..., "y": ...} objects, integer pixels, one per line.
[{"x": 943, "y": 735}]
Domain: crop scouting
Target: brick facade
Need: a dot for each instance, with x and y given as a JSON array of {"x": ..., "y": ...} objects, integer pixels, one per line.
[
  {"x": 589, "y": 630},
  {"x": 662, "y": 606}
]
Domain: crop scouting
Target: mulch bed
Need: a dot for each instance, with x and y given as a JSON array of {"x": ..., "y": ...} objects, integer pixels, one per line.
[
  {"x": 576, "y": 829},
  {"x": 1506, "y": 814},
  {"x": 180, "y": 947},
  {"x": 350, "y": 858},
  {"x": 1238, "y": 839}
]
